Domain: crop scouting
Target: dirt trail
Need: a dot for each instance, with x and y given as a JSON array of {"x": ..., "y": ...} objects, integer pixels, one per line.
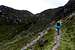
[
  {"x": 41, "y": 34},
  {"x": 58, "y": 37},
  {"x": 57, "y": 41}
]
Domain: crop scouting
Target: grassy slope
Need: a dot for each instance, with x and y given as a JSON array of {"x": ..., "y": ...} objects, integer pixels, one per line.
[
  {"x": 68, "y": 35},
  {"x": 12, "y": 37},
  {"x": 48, "y": 45},
  {"x": 6, "y": 39}
]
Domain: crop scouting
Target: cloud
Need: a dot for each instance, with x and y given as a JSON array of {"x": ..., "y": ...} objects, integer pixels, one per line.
[{"x": 35, "y": 6}]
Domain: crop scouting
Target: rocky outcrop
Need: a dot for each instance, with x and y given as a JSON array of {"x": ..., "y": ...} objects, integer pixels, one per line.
[
  {"x": 62, "y": 11},
  {"x": 12, "y": 16}
]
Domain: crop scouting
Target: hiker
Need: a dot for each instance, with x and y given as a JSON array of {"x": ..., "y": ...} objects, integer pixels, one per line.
[{"x": 58, "y": 26}]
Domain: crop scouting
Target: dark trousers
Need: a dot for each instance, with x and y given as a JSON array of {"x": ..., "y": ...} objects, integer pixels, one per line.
[{"x": 58, "y": 31}]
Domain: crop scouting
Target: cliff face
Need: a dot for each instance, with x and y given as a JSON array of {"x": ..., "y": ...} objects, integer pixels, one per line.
[{"x": 69, "y": 7}]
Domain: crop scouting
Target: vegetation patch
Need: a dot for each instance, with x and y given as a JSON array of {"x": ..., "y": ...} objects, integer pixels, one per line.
[
  {"x": 48, "y": 41},
  {"x": 68, "y": 36}
]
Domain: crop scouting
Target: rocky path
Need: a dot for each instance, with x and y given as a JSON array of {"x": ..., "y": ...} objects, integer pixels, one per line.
[
  {"x": 57, "y": 41},
  {"x": 41, "y": 34},
  {"x": 58, "y": 37}
]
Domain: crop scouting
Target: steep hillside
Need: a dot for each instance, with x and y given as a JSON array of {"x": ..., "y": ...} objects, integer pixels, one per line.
[
  {"x": 68, "y": 35},
  {"x": 19, "y": 27}
]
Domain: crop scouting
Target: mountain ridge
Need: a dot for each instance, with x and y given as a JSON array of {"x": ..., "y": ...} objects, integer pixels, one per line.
[{"x": 49, "y": 13}]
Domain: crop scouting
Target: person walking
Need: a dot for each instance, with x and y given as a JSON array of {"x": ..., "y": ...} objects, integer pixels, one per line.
[{"x": 58, "y": 26}]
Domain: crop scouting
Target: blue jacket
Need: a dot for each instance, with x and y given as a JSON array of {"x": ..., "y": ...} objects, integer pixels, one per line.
[{"x": 58, "y": 26}]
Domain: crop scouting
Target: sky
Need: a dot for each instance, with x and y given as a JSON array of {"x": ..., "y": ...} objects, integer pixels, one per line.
[{"x": 34, "y": 6}]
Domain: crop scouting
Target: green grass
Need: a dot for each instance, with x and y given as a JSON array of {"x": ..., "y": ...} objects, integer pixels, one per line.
[
  {"x": 47, "y": 46},
  {"x": 13, "y": 33},
  {"x": 68, "y": 35}
]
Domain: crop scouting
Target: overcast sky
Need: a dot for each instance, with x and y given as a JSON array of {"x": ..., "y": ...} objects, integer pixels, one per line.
[{"x": 34, "y": 6}]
